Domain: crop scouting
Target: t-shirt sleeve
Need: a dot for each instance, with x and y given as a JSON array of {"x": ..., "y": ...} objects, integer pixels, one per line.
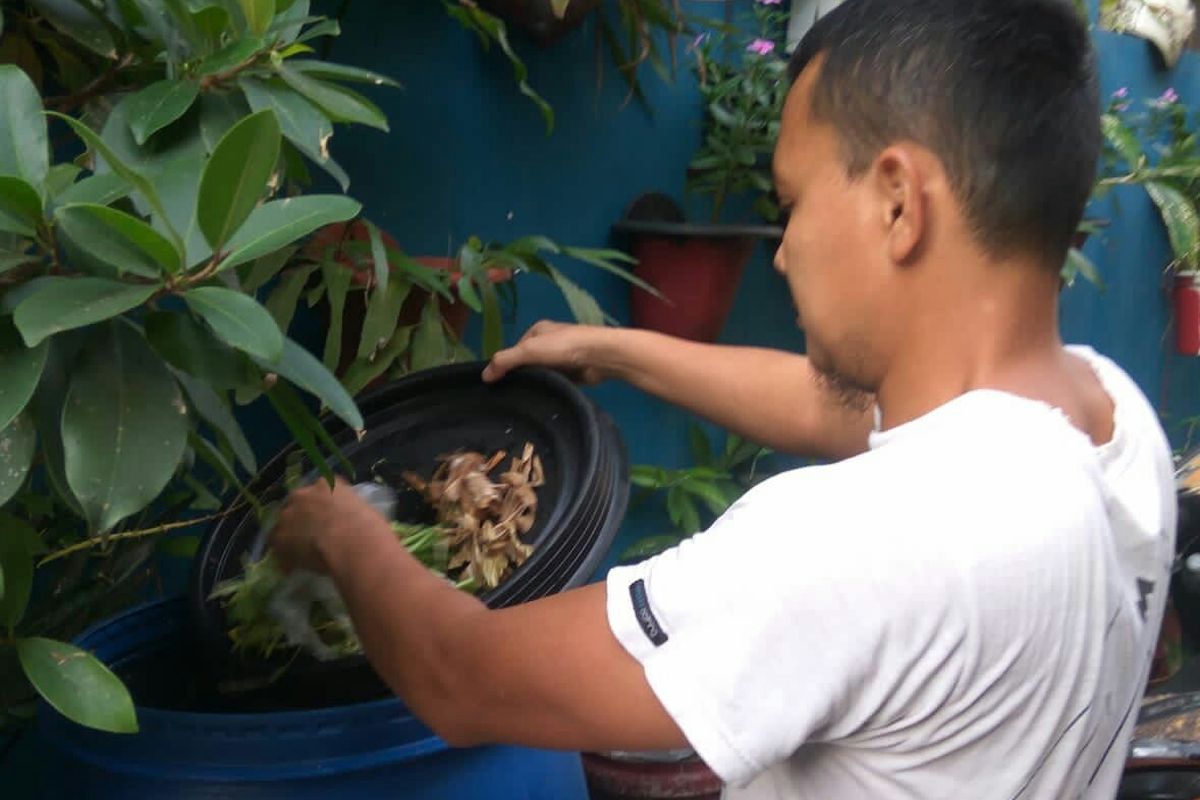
[{"x": 792, "y": 619}]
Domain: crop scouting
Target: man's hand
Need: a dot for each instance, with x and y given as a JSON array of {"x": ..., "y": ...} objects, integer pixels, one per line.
[
  {"x": 572, "y": 349},
  {"x": 315, "y": 521}
]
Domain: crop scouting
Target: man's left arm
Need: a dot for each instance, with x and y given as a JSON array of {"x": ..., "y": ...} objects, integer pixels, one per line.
[{"x": 547, "y": 673}]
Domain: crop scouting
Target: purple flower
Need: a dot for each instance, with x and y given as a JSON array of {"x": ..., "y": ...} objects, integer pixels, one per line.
[
  {"x": 1119, "y": 107},
  {"x": 761, "y": 46},
  {"x": 1168, "y": 97},
  {"x": 1121, "y": 94},
  {"x": 770, "y": 2},
  {"x": 699, "y": 40}
]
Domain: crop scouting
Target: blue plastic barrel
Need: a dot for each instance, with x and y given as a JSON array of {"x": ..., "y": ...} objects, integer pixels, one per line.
[{"x": 371, "y": 750}]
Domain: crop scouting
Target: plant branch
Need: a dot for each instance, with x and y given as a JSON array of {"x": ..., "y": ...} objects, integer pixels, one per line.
[
  {"x": 138, "y": 534},
  {"x": 95, "y": 87}
]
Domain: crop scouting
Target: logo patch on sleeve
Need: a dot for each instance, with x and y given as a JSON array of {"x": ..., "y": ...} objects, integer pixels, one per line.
[{"x": 645, "y": 617}]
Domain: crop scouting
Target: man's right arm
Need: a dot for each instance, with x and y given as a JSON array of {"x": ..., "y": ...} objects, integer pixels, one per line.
[{"x": 770, "y": 397}]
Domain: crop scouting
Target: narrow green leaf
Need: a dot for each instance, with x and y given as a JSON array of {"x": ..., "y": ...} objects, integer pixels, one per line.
[
  {"x": 210, "y": 455},
  {"x": 342, "y": 105},
  {"x": 1078, "y": 264},
  {"x": 710, "y": 494},
  {"x": 1182, "y": 222},
  {"x": 326, "y": 27},
  {"x": 236, "y": 53},
  {"x": 60, "y": 178},
  {"x": 259, "y": 14},
  {"x": 60, "y": 304},
  {"x": 238, "y": 320},
  {"x": 158, "y": 105},
  {"x": 382, "y": 316},
  {"x": 211, "y": 23},
  {"x": 341, "y": 72},
  {"x": 133, "y": 178},
  {"x": 604, "y": 259},
  {"x": 100, "y": 189},
  {"x": 24, "y": 151},
  {"x": 236, "y": 176},
  {"x": 77, "y": 685},
  {"x": 302, "y": 123},
  {"x": 301, "y": 425},
  {"x": 280, "y": 222},
  {"x": 282, "y": 302},
  {"x": 16, "y": 560},
  {"x": 301, "y": 368},
  {"x": 120, "y": 240},
  {"x": 17, "y": 442},
  {"x": 429, "y": 339},
  {"x": 1122, "y": 138},
  {"x": 337, "y": 284},
  {"x": 583, "y": 306},
  {"x": 493, "y": 331},
  {"x": 214, "y": 410},
  {"x": 124, "y": 426},
  {"x": 700, "y": 446},
  {"x": 648, "y": 547},
  {"x": 264, "y": 269},
  {"x": 20, "y": 206},
  {"x": 379, "y": 257},
  {"x": 20, "y": 370},
  {"x": 469, "y": 294},
  {"x": 362, "y": 371}
]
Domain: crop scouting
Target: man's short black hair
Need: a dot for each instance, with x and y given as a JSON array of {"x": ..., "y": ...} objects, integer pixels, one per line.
[{"x": 1003, "y": 92}]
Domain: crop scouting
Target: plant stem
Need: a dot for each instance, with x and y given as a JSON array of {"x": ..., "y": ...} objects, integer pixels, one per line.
[
  {"x": 95, "y": 87},
  {"x": 138, "y": 534}
]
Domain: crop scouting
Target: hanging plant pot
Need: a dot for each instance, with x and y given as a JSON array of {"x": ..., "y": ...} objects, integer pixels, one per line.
[
  {"x": 650, "y": 776},
  {"x": 1185, "y": 297},
  {"x": 697, "y": 268},
  {"x": 537, "y": 17}
]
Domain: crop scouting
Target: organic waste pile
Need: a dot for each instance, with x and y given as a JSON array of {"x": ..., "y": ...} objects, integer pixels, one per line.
[{"x": 475, "y": 544}]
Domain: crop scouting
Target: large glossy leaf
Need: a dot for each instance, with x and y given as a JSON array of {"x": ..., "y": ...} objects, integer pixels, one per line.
[
  {"x": 117, "y": 165},
  {"x": 120, "y": 240},
  {"x": 60, "y": 178},
  {"x": 16, "y": 560},
  {"x": 236, "y": 176},
  {"x": 100, "y": 189},
  {"x": 280, "y": 222},
  {"x": 302, "y": 123},
  {"x": 219, "y": 113},
  {"x": 340, "y": 72},
  {"x": 238, "y": 320},
  {"x": 305, "y": 371},
  {"x": 77, "y": 685},
  {"x": 1181, "y": 219},
  {"x": 47, "y": 408},
  {"x": 186, "y": 344},
  {"x": 77, "y": 22},
  {"x": 258, "y": 14},
  {"x": 214, "y": 410},
  {"x": 20, "y": 370},
  {"x": 20, "y": 206},
  {"x": 17, "y": 441},
  {"x": 23, "y": 148},
  {"x": 158, "y": 105},
  {"x": 178, "y": 186},
  {"x": 60, "y": 304},
  {"x": 124, "y": 426},
  {"x": 342, "y": 105}
]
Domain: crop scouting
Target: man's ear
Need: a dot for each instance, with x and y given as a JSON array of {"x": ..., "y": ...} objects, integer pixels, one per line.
[{"x": 899, "y": 189}]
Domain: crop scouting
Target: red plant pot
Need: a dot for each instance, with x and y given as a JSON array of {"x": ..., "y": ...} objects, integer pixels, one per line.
[
  {"x": 611, "y": 778},
  {"x": 696, "y": 268},
  {"x": 1185, "y": 296}
]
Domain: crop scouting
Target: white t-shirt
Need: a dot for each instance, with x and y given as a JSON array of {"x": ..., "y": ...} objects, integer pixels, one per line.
[{"x": 969, "y": 609}]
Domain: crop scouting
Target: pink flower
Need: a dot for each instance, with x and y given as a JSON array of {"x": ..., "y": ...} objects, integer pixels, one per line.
[
  {"x": 1121, "y": 94},
  {"x": 1168, "y": 97},
  {"x": 761, "y": 46},
  {"x": 699, "y": 40},
  {"x": 770, "y": 2}
]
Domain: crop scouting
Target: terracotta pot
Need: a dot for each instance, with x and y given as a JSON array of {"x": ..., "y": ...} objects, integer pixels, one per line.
[
  {"x": 1185, "y": 296},
  {"x": 635, "y": 777}
]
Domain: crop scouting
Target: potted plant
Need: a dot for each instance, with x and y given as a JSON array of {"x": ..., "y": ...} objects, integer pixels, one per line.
[
  {"x": 693, "y": 496},
  {"x": 697, "y": 267},
  {"x": 1167, "y": 167}
]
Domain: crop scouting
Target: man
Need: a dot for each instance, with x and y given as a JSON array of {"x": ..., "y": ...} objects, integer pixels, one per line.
[{"x": 966, "y": 605}]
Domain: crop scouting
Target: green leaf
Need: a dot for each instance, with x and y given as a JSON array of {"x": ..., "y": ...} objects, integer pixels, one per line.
[
  {"x": 493, "y": 331},
  {"x": 382, "y": 316},
  {"x": 326, "y": 27},
  {"x": 363, "y": 370},
  {"x": 234, "y": 54},
  {"x": 301, "y": 368},
  {"x": 302, "y": 123},
  {"x": 133, "y": 178},
  {"x": 89, "y": 28},
  {"x": 99, "y": 189},
  {"x": 214, "y": 410},
  {"x": 77, "y": 685},
  {"x": 236, "y": 176},
  {"x": 379, "y": 257},
  {"x": 189, "y": 346},
  {"x": 124, "y": 426},
  {"x": 47, "y": 409},
  {"x": 1079, "y": 264},
  {"x": 20, "y": 370},
  {"x": 283, "y": 300},
  {"x": 700, "y": 446},
  {"x": 429, "y": 339},
  {"x": 342, "y": 105},
  {"x": 17, "y": 442},
  {"x": 1122, "y": 138},
  {"x": 258, "y": 14},
  {"x": 301, "y": 425},
  {"x": 24, "y": 151},
  {"x": 218, "y": 113},
  {"x": 341, "y": 72},
  {"x": 211, "y": 23},
  {"x": 16, "y": 561},
  {"x": 710, "y": 494},
  {"x": 60, "y": 304},
  {"x": 583, "y": 306},
  {"x": 60, "y": 178},
  {"x": 158, "y": 105},
  {"x": 603, "y": 259},
  {"x": 120, "y": 240},
  {"x": 209, "y": 454},
  {"x": 20, "y": 206},
  {"x": 281, "y": 222},
  {"x": 1182, "y": 221},
  {"x": 648, "y": 547},
  {"x": 238, "y": 320},
  {"x": 264, "y": 269},
  {"x": 337, "y": 283}
]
